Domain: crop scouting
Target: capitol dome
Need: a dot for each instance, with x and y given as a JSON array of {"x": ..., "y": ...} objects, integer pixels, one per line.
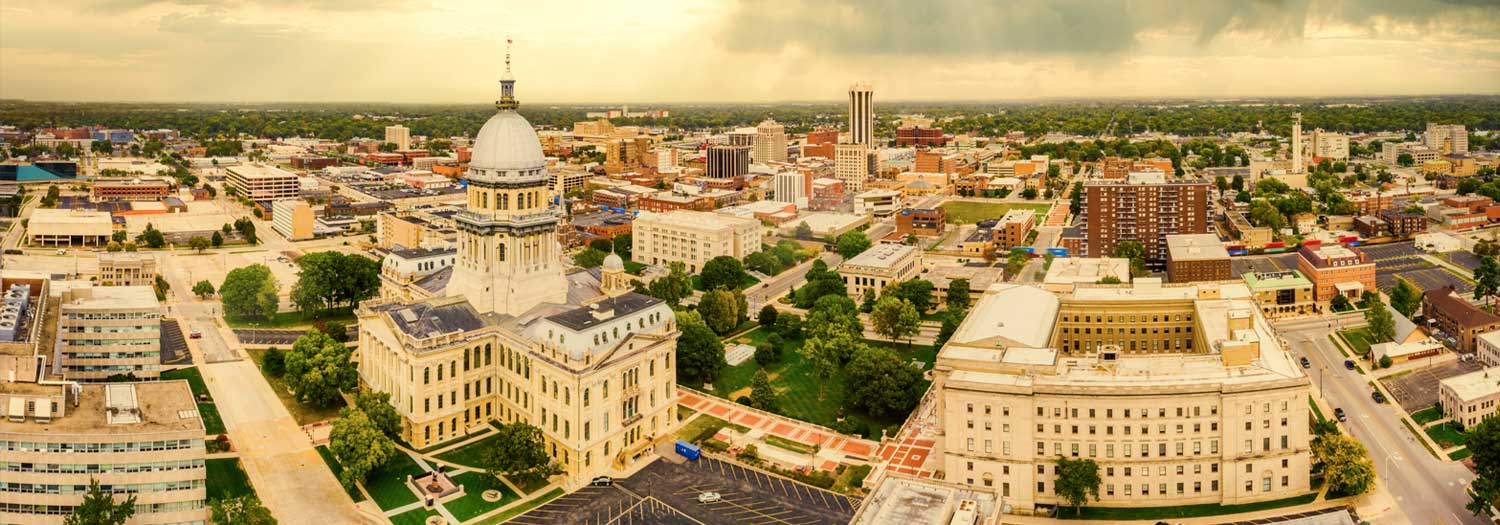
[
  {"x": 614, "y": 262},
  {"x": 507, "y": 142}
]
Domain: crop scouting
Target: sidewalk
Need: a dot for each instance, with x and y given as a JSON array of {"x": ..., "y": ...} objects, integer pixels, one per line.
[{"x": 832, "y": 445}]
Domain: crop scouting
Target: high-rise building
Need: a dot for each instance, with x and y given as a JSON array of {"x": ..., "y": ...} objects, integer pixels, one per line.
[
  {"x": 1143, "y": 208},
  {"x": 1447, "y": 138},
  {"x": 851, "y": 164},
  {"x": 1330, "y": 145},
  {"x": 741, "y": 137},
  {"x": 263, "y": 183},
  {"x": 1297, "y": 143},
  {"x": 770, "y": 142},
  {"x": 728, "y": 162},
  {"x": 398, "y": 135},
  {"x": 791, "y": 186},
  {"x": 862, "y": 115},
  {"x": 692, "y": 237},
  {"x": 108, "y": 331}
]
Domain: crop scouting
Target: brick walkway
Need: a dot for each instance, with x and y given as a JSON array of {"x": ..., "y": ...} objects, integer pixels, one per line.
[
  {"x": 1057, "y": 216},
  {"x": 801, "y": 432}
]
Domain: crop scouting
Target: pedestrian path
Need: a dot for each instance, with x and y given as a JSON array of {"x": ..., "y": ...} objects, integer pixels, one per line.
[{"x": 832, "y": 446}]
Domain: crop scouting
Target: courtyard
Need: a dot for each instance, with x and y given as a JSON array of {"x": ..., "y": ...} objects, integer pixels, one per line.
[{"x": 970, "y": 212}]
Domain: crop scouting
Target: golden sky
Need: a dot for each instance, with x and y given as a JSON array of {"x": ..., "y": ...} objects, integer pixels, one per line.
[{"x": 741, "y": 51}]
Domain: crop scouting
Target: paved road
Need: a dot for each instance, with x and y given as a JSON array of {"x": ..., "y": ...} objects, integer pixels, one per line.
[
  {"x": 772, "y": 288},
  {"x": 1426, "y": 490}
]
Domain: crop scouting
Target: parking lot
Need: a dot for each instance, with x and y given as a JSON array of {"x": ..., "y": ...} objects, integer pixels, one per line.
[
  {"x": 1419, "y": 389},
  {"x": 666, "y": 492},
  {"x": 267, "y": 336},
  {"x": 1463, "y": 258},
  {"x": 1434, "y": 278},
  {"x": 174, "y": 348}
]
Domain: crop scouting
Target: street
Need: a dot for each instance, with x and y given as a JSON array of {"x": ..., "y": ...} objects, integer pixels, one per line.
[{"x": 1425, "y": 490}]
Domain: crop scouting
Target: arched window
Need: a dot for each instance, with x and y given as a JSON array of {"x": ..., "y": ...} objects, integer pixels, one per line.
[{"x": 500, "y": 252}]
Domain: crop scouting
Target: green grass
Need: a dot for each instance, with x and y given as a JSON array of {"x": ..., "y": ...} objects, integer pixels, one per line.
[
  {"x": 337, "y": 469},
  {"x": 531, "y": 486},
  {"x": 1418, "y": 435},
  {"x": 704, "y": 427},
  {"x": 304, "y": 414},
  {"x": 1426, "y": 415},
  {"x": 523, "y": 507},
  {"x": 226, "y": 479},
  {"x": 1359, "y": 340},
  {"x": 1446, "y": 435},
  {"x": 964, "y": 212},
  {"x": 387, "y": 486},
  {"x": 472, "y": 504},
  {"x": 293, "y": 319},
  {"x": 1336, "y": 344},
  {"x": 213, "y": 424},
  {"x": 1460, "y": 454},
  {"x": 469, "y": 455},
  {"x": 849, "y": 475},
  {"x": 787, "y": 444},
  {"x": 450, "y": 442},
  {"x": 1184, "y": 511},
  {"x": 747, "y": 282},
  {"x": 417, "y": 516},
  {"x": 1316, "y": 411}
]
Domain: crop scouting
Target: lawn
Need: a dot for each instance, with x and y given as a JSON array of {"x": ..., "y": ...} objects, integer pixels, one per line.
[
  {"x": 469, "y": 455},
  {"x": 523, "y": 507},
  {"x": 417, "y": 516},
  {"x": 1184, "y": 511},
  {"x": 293, "y": 319},
  {"x": 304, "y": 414},
  {"x": 1316, "y": 411},
  {"x": 704, "y": 427},
  {"x": 787, "y": 444},
  {"x": 226, "y": 479},
  {"x": 1460, "y": 454},
  {"x": 1446, "y": 435},
  {"x": 1426, "y": 415},
  {"x": 1359, "y": 340},
  {"x": 213, "y": 424},
  {"x": 337, "y": 469},
  {"x": 964, "y": 212},
  {"x": 387, "y": 486},
  {"x": 448, "y": 443},
  {"x": 472, "y": 503},
  {"x": 849, "y": 477}
]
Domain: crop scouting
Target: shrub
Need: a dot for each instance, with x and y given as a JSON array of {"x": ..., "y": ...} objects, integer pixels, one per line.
[
  {"x": 274, "y": 362},
  {"x": 743, "y": 400}
]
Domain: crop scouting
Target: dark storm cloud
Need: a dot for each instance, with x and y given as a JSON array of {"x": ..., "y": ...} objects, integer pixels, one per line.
[{"x": 972, "y": 28}]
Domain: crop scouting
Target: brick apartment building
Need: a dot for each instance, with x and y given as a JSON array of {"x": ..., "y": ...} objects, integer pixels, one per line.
[
  {"x": 1336, "y": 270},
  {"x": 1198, "y": 257},
  {"x": 130, "y": 189},
  {"x": 926, "y": 222},
  {"x": 1143, "y": 208},
  {"x": 1457, "y": 318}
]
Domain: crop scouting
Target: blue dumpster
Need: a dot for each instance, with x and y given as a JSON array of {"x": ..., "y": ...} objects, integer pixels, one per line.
[{"x": 688, "y": 450}]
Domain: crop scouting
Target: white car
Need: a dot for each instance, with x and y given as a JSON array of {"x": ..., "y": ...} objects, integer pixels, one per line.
[{"x": 709, "y": 497}]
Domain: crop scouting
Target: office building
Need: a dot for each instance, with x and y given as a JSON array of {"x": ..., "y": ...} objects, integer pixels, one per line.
[
  {"x": 1488, "y": 348},
  {"x": 1067, "y": 272},
  {"x": 108, "y": 331},
  {"x": 862, "y": 115},
  {"x": 924, "y": 222},
  {"x": 770, "y": 142},
  {"x": 852, "y": 165},
  {"x": 127, "y": 269},
  {"x": 741, "y": 137},
  {"x": 792, "y": 187},
  {"x": 1471, "y": 398},
  {"x": 398, "y": 135},
  {"x": 69, "y": 227},
  {"x": 1197, "y": 257},
  {"x": 293, "y": 219},
  {"x": 580, "y": 357},
  {"x": 1337, "y": 270},
  {"x": 1146, "y": 209},
  {"x": 1282, "y": 294},
  {"x": 1456, "y": 318},
  {"x": 136, "y": 189},
  {"x": 878, "y": 202},
  {"x": 882, "y": 265},
  {"x": 1330, "y": 145},
  {"x": 1446, "y": 138},
  {"x": 1000, "y": 235},
  {"x": 263, "y": 183},
  {"x": 918, "y": 136},
  {"x": 1297, "y": 166},
  {"x": 1200, "y": 404},
  {"x": 692, "y": 238},
  {"x": 727, "y": 162}
]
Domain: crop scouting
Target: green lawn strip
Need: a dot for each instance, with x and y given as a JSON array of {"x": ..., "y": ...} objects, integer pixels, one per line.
[
  {"x": 534, "y": 485},
  {"x": 337, "y": 469},
  {"x": 1316, "y": 411},
  {"x": 787, "y": 444},
  {"x": 1426, "y": 415},
  {"x": 704, "y": 427},
  {"x": 1358, "y": 339},
  {"x": 850, "y": 477},
  {"x": 1336, "y": 344},
  {"x": 1460, "y": 454},
  {"x": 226, "y": 479},
  {"x": 965, "y": 212},
  {"x": 1184, "y": 511},
  {"x": 472, "y": 504},
  {"x": 213, "y": 424},
  {"x": 448, "y": 443},
  {"x": 387, "y": 486},
  {"x": 417, "y": 516},
  {"x": 523, "y": 507},
  {"x": 194, "y": 378},
  {"x": 1418, "y": 434},
  {"x": 469, "y": 455},
  {"x": 303, "y": 413},
  {"x": 1446, "y": 435},
  {"x": 293, "y": 319}
]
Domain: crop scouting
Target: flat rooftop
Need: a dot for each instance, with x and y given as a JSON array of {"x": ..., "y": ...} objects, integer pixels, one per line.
[
  {"x": 700, "y": 220},
  {"x": 142, "y": 407},
  {"x": 882, "y": 255},
  {"x": 1074, "y": 270},
  {"x": 1275, "y": 280},
  {"x": 1474, "y": 385},
  {"x": 111, "y": 298},
  {"x": 260, "y": 171},
  {"x": 1196, "y": 247}
]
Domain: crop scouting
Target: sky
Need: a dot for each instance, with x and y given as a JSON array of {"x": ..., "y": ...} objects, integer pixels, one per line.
[{"x": 665, "y": 51}]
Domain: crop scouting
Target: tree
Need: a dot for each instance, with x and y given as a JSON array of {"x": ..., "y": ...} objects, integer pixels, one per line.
[
  {"x": 673, "y": 287},
  {"x": 1134, "y": 251},
  {"x": 153, "y": 237},
  {"x": 359, "y": 445},
  {"x": 589, "y": 258},
  {"x": 1346, "y": 466},
  {"x": 824, "y": 352},
  {"x": 1075, "y": 198},
  {"x": 762, "y": 395},
  {"x": 1077, "y": 481},
  {"x": 1385, "y": 361},
  {"x": 242, "y": 510},
  {"x": 1339, "y": 303},
  {"x": 249, "y": 292},
  {"x": 949, "y": 326},
  {"x": 1405, "y": 298},
  {"x": 895, "y": 318},
  {"x": 99, "y": 508},
  {"x": 1382, "y": 326},
  {"x": 1028, "y": 193},
  {"x": 958, "y": 295},
  {"x": 377, "y": 406},
  {"x": 1108, "y": 279},
  {"x": 331, "y": 279},
  {"x": 766, "y": 353},
  {"x": 918, "y": 292},
  {"x": 318, "y": 368},
  {"x": 1015, "y": 262},
  {"x": 867, "y": 300},
  {"x": 822, "y": 283},
  {"x": 1484, "y": 441},
  {"x": 518, "y": 453},
  {"x": 764, "y": 262},
  {"x": 198, "y": 243},
  {"x": 1405, "y": 160},
  {"x": 700, "y": 355},
  {"x": 722, "y": 272},
  {"x": 217, "y": 240},
  {"x": 1487, "y": 278},
  {"x": 789, "y": 325},
  {"x": 851, "y": 244},
  {"x": 719, "y": 311},
  {"x": 803, "y": 231},
  {"x": 1221, "y": 183},
  {"x": 274, "y": 362},
  {"x": 203, "y": 289},
  {"x": 767, "y": 316},
  {"x": 881, "y": 383}
]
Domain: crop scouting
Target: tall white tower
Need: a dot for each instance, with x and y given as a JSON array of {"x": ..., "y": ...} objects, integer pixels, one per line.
[
  {"x": 1296, "y": 143},
  {"x": 861, "y": 114},
  {"x": 508, "y": 256}
]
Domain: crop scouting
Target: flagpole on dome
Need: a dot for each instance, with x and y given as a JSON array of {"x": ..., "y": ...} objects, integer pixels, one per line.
[{"x": 507, "y": 84}]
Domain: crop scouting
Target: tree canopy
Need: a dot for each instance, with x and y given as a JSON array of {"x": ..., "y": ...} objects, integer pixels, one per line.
[
  {"x": 517, "y": 452},
  {"x": 249, "y": 292},
  {"x": 318, "y": 368},
  {"x": 331, "y": 279},
  {"x": 359, "y": 445}
]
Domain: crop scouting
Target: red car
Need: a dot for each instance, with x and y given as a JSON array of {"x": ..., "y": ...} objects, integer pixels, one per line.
[{"x": 195, "y": 335}]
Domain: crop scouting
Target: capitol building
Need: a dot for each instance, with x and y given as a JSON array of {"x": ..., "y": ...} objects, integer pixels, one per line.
[{"x": 507, "y": 335}]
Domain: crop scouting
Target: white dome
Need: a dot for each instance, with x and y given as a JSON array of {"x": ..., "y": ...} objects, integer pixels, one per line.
[
  {"x": 507, "y": 142},
  {"x": 614, "y": 262}
]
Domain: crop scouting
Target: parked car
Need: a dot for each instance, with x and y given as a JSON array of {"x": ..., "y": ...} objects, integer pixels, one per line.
[
  {"x": 1339, "y": 413},
  {"x": 1349, "y": 363},
  {"x": 1306, "y": 363},
  {"x": 195, "y": 334},
  {"x": 1377, "y": 396},
  {"x": 709, "y": 497},
  {"x": 602, "y": 481}
]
